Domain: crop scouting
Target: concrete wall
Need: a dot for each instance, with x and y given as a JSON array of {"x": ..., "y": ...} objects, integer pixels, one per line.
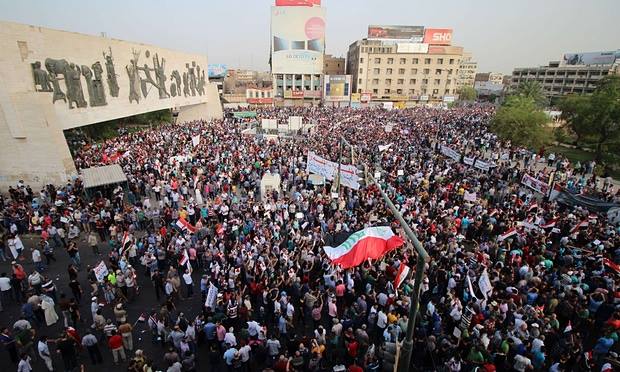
[{"x": 32, "y": 144}]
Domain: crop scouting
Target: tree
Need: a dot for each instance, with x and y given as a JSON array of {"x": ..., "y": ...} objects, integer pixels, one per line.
[
  {"x": 467, "y": 94},
  {"x": 521, "y": 121},
  {"x": 596, "y": 117},
  {"x": 534, "y": 90}
]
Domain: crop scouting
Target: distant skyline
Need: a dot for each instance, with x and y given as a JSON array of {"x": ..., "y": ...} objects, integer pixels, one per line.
[{"x": 501, "y": 35}]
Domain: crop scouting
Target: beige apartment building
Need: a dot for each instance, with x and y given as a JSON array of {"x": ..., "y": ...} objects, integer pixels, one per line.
[
  {"x": 333, "y": 65},
  {"x": 392, "y": 70}
]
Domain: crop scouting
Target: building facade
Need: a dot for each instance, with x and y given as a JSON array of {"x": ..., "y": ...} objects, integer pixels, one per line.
[
  {"x": 466, "y": 76},
  {"x": 559, "y": 79},
  {"x": 399, "y": 63},
  {"x": 333, "y": 65},
  {"x": 496, "y": 78}
]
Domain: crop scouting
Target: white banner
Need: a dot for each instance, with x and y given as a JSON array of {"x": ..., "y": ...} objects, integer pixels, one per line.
[
  {"x": 535, "y": 184},
  {"x": 101, "y": 271},
  {"x": 482, "y": 165},
  {"x": 467, "y": 160},
  {"x": 485, "y": 284},
  {"x": 195, "y": 140},
  {"x": 470, "y": 196},
  {"x": 383, "y": 148},
  {"x": 211, "y": 297},
  {"x": 450, "y": 153},
  {"x": 329, "y": 170}
]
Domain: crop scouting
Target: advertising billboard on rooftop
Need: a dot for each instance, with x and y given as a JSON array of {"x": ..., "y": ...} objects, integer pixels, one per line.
[
  {"x": 438, "y": 36},
  {"x": 412, "y": 33},
  {"x": 298, "y": 2},
  {"x": 337, "y": 88},
  {"x": 591, "y": 58},
  {"x": 297, "y": 40},
  {"x": 217, "y": 71}
]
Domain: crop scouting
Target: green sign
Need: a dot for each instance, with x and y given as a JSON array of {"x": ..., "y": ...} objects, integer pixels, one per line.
[{"x": 245, "y": 114}]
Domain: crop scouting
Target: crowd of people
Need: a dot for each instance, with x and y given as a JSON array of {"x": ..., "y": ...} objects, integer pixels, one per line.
[{"x": 514, "y": 282}]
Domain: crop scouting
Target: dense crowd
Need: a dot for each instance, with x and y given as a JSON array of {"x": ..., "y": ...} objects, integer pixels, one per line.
[{"x": 545, "y": 297}]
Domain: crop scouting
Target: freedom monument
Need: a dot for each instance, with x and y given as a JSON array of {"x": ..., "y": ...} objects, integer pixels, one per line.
[{"x": 53, "y": 80}]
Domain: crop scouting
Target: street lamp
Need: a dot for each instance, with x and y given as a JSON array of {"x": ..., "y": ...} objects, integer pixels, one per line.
[{"x": 423, "y": 258}]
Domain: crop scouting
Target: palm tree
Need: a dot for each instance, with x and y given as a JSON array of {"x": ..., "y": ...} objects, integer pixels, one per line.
[{"x": 534, "y": 90}]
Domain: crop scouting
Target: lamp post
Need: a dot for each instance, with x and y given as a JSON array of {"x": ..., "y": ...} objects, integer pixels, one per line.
[{"x": 423, "y": 258}]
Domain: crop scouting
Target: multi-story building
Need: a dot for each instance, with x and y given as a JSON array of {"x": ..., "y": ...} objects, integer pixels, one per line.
[
  {"x": 333, "y": 65},
  {"x": 577, "y": 73},
  {"x": 496, "y": 78},
  {"x": 404, "y": 63},
  {"x": 466, "y": 76}
]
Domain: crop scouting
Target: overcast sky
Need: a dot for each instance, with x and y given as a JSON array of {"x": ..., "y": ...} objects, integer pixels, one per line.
[{"x": 501, "y": 34}]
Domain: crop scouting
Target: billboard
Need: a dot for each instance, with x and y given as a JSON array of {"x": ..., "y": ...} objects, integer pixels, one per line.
[
  {"x": 365, "y": 97},
  {"x": 436, "y": 49},
  {"x": 216, "y": 71},
  {"x": 412, "y": 48},
  {"x": 591, "y": 58},
  {"x": 355, "y": 97},
  {"x": 438, "y": 36},
  {"x": 412, "y": 33},
  {"x": 297, "y": 40},
  {"x": 337, "y": 88},
  {"x": 298, "y": 2}
]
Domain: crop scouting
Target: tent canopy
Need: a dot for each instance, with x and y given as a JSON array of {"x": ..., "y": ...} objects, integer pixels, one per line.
[{"x": 101, "y": 176}]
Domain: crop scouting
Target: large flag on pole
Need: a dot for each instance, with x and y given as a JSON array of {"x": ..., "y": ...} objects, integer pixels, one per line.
[
  {"x": 371, "y": 242},
  {"x": 401, "y": 275},
  {"x": 185, "y": 226}
]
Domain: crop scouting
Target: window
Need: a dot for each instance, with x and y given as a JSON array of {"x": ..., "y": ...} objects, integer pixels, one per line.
[
  {"x": 449, "y": 81},
  {"x": 427, "y": 61},
  {"x": 386, "y": 91},
  {"x": 414, "y": 71},
  {"x": 411, "y": 91},
  {"x": 375, "y": 81},
  {"x": 440, "y": 61},
  {"x": 403, "y": 61},
  {"x": 400, "y": 81},
  {"x": 426, "y": 71},
  {"x": 437, "y": 71},
  {"x": 412, "y": 81},
  {"x": 359, "y": 81},
  {"x": 361, "y": 60},
  {"x": 361, "y": 70},
  {"x": 435, "y": 91},
  {"x": 415, "y": 61},
  {"x": 437, "y": 82},
  {"x": 374, "y": 91},
  {"x": 451, "y": 61},
  {"x": 388, "y": 71},
  {"x": 376, "y": 71},
  {"x": 359, "y": 91},
  {"x": 424, "y": 81},
  {"x": 447, "y": 91},
  {"x": 424, "y": 91},
  {"x": 390, "y": 61},
  {"x": 399, "y": 91},
  {"x": 377, "y": 60},
  {"x": 401, "y": 71},
  {"x": 388, "y": 81}
]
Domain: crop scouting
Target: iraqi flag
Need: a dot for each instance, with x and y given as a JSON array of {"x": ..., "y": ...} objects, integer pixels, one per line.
[
  {"x": 532, "y": 207},
  {"x": 507, "y": 234},
  {"x": 125, "y": 243},
  {"x": 581, "y": 224},
  {"x": 401, "y": 275},
  {"x": 371, "y": 242},
  {"x": 548, "y": 225},
  {"x": 184, "y": 259},
  {"x": 185, "y": 226}
]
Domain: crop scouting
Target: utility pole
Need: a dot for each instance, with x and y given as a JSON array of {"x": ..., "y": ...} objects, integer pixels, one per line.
[{"x": 423, "y": 257}]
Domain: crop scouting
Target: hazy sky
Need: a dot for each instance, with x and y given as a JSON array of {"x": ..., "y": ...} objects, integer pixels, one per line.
[{"x": 501, "y": 34}]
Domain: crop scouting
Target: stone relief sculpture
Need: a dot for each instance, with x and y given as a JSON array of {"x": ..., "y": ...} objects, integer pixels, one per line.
[
  {"x": 56, "y": 67},
  {"x": 191, "y": 73},
  {"x": 175, "y": 87},
  {"x": 88, "y": 75},
  {"x": 160, "y": 75},
  {"x": 96, "y": 93},
  {"x": 200, "y": 88},
  {"x": 111, "y": 74},
  {"x": 186, "y": 82},
  {"x": 134, "y": 77},
  {"x": 74, "y": 86},
  {"x": 41, "y": 78}
]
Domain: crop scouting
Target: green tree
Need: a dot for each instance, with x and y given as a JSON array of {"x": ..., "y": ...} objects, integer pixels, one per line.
[
  {"x": 534, "y": 90},
  {"x": 521, "y": 121},
  {"x": 596, "y": 117},
  {"x": 467, "y": 94}
]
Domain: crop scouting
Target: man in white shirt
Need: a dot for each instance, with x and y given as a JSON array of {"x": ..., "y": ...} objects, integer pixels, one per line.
[
  {"x": 24, "y": 364},
  {"x": 44, "y": 353},
  {"x": 5, "y": 287},
  {"x": 189, "y": 283}
]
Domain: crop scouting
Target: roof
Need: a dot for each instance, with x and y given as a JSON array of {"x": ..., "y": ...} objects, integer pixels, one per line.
[{"x": 100, "y": 176}]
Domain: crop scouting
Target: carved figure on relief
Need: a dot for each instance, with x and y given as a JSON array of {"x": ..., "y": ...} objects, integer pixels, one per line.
[
  {"x": 98, "y": 98},
  {"x": 74, "y": 86},
  {"x": 201, "y": 81},
  {"x": 175, "y": 87},
  {"x": 56, "y": 67},
  {"x": 186, "y": 82},
  {"x": 134, "y": 77},
  {"x": 41, "y": 78},
  {"x": 111, "y": 73},
  {"x": 191, "y": 73},
  {"x": 160, "y": 75}
]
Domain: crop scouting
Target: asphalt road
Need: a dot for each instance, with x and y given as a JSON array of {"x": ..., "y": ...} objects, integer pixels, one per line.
[{"x": 143, "y": 303}]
